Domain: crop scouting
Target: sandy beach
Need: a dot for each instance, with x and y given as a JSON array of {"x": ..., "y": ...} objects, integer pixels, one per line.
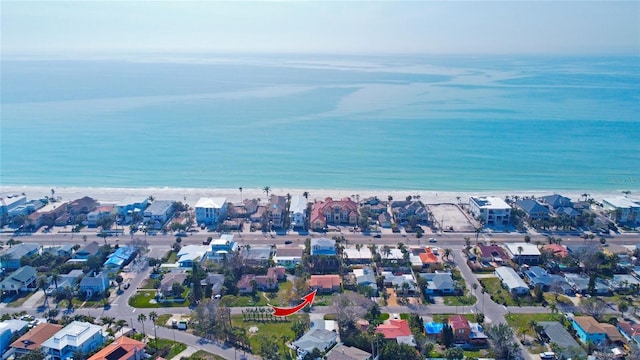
[{"x": 191, "y": 195}]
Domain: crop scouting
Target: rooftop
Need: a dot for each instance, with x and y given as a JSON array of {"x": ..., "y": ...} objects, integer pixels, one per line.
[
  {"x": 211, "y": 202},
  {"x": 622, "y": 202},
  {"x": 490, "y": 202}
]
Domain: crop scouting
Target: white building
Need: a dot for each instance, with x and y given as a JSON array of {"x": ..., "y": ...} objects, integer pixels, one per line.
[
  {"x": 491, "y": 210},
  {"x": 220, "y": 248},
  {"x": 211, "y": 210},
  {"x": 11, "y": 202},
  {"x": 77, "y": 337},
  {"x": 511, "y": 280},
  {"x": 158, "y": 213},
  {"x": 523, "y": 253},
  {"x": 622, "y": 209},
  {"x": 298, "y": 211}
]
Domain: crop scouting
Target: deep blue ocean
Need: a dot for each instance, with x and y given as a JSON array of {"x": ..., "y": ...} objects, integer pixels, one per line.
[{"x": 449, "y": 123}]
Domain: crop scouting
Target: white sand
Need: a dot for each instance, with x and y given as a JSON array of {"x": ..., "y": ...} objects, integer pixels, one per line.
[{"x": 191, "y": 195}]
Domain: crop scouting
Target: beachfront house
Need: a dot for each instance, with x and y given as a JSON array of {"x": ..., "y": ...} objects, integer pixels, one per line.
[
  {"x": 622, "y": 209},
  {"x": 80, "y": 206},
  {"x": 490, "y": 210},
  {"x": 77, "y": 337},
  {"x": 334, "y": 212},
  {"x": 533, "y": 209},
  {"x": 277, "y": 209},
  {"x": 10, "y": 203},
  {"x": 98, "y": 214},
  {"x": 158, "y": 213},
  {"x": 47, "y": 215},
  {"x": 211, "y": 210},
  {"x": 131, "y": 207},
  {"x": 298, "y": 211}
]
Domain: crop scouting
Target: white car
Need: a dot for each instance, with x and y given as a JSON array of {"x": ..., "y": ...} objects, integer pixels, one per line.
[{"x": 432, "y": 240}]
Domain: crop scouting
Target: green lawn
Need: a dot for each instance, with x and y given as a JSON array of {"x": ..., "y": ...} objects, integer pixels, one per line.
[
  {"x": 176, "y": 347},
  {"x": 149, "y": 284},
  {"x": 162, "y": 319},
  {"x": 459, "y": 300},
  {"x": 245, "y": 300},
  {"x": 142, "y": 300},
  {"x": 517, "y": 321},
  {"x": 502, "y": 296},
  {"x": 203, "y": 355},
  {"x": 276, "y": 330},
  {"x": 444, "y": 317}
]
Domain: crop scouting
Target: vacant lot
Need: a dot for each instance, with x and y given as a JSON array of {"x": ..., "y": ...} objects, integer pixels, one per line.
[{"x": 449, "y": 216}]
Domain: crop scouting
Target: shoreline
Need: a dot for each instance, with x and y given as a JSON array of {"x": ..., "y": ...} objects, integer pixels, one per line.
[{"x": 110, "y": 195}]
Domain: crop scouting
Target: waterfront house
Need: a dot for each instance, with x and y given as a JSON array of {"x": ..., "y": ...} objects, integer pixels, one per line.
[
  {"x": 211, "y": 210},
  {"x": 288, "y": 257},
  {"x": 298, "y": 211},
  {"x": 323, "y": 246},
  {"x": 77, "y": 337},
  {"x": 556, "y": 201},
  {"x": 403, "y": 210},
  {"x": 490, "y": 210},
  {"x": 22, "y": 279},
  {"x": 32, "y": 340},
  {"x": 10, "y": 257},
  {"x": 523, "y": 253},
  {"x": 98, "y": 214},
  {"x": 325, "y": 283},
  {"x": 123, "y": 348},
  {"x": 533, "y": 209},
  {"x": 91, "y": 249},
  {"x": 131, "y": 207},
  {"x": 94, "y": 285},
  {"x": 334, "y": 212},
  {"x": 511, "y": 280},
  {"x": 439, "y": 283},
  {"x": 277, "y": 210},
  {"x": 344, "y": 352},
  {"x": 158, "y": 213},
  {"x": 622, "y": 209},
  {"x": 47, "y": 214},
  {"x": 384, "y": 220},
  {"x": 82, "y": 206},
  {"x": 10, "y": 203}
]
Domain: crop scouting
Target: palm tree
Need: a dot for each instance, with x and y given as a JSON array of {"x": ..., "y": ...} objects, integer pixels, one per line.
[
  {"x": 306, "y": 195},
  {"x": 55, "y": 277},
  {"x": 153, "y": 316},
  {"x": 43, "y": 284},
  {"x": 142, "y": 318},
  {"x": 84, "y": 238},
  {"x": 386, "y": 250},
  {"x": 107, "y": 320},
  {"x": 358, "y": 247},
  {"x": 520, "y": 250},
  {"x": 240, "y": 188},
  {"x": 267, "y": 190},
  {"x": 120, "y": 323},
  {"x": 447, "y": 253}
]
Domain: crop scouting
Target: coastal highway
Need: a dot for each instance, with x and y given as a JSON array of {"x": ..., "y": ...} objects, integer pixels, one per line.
[{"x": 296, "y": 239}]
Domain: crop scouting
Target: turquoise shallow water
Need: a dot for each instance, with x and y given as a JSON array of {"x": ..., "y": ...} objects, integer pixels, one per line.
[{"x": 439, "y": 123}]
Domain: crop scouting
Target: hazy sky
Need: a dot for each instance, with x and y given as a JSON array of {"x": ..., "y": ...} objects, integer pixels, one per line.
[{"x": 479, "y": 27}]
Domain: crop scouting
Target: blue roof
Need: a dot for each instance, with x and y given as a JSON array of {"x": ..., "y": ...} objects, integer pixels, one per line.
[{"x": 120, "y": 256}]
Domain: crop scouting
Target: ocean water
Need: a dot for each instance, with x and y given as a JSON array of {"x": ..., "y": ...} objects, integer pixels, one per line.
[{"x": 412, "y": 122}]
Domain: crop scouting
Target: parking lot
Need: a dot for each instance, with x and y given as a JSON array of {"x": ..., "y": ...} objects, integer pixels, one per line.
[{"x": 450, "y": 217}]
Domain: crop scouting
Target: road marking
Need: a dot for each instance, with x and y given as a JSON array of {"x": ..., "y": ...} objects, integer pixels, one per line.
[{"x": 134, "y": 310}]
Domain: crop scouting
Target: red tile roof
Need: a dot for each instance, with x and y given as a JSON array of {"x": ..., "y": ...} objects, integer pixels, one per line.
[
  {"x": 491, "y": 251},
  {"x": 325, "y": 282},
  {"x": 34, "y": 338},
  {"x": 394, "y": 328},
  {"x": 459, "y": 322},
  {"x": 557, "y": 249},
  {"x": 428, "y": 257}
]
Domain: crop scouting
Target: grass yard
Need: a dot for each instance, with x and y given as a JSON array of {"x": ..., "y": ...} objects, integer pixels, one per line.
[
  {"x": 445, "y": 317},
  {"x": 501, "y": 295},
  {"x": 276, "y": 330},
  {"x": 162, "y": 319},
  {"x": 518, "y": 321},
  {"x": 203, "y": 355},
  {"x": 175, "y": 347},
  {"x": 150, "y": 284},
  {"x": 143, "y": 300},
  {"x": 459, "y": 300}
]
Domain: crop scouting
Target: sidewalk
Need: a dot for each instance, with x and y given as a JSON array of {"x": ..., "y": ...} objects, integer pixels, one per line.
[{"x": 190, "y": 350}]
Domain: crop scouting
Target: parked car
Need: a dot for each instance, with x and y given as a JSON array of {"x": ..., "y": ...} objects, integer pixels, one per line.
[{"x": 432, "y": 240}]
